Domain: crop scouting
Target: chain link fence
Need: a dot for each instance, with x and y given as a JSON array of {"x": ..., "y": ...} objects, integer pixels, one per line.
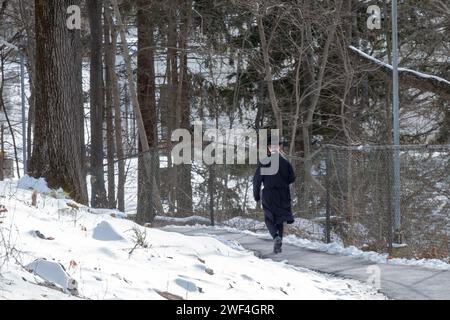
[{"x": 351, "y": 190}]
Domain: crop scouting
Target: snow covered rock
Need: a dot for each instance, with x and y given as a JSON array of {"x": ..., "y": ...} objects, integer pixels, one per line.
[
  {"x": 53, "y": 273},
  {"x": 105, "y": 232}
]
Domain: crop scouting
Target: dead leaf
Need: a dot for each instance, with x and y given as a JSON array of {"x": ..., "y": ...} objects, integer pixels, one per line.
[
  {"x": 73, "y": 264},
  {"x": 168, "y": 295},
  {"x": 201, "y": 260},
  {"x": 34, "y": 199},
  {"x": 73, "y": 205}
]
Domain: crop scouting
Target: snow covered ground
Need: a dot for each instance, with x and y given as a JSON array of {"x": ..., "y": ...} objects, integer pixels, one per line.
[{"x": 61, "y": 250}]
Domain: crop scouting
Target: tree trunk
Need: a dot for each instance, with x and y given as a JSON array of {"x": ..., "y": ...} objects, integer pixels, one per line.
[
  {"x": 184, "y": 189},
  {"x": 57, "y": 151},
  {"x": 110, "y": 63},
  {"x": 109, "y": 117},
  {"x": 172, "y": 81},
  {"x": 147, "y": 104},
  {"x": 2, "y": 153},
  {"x": 98, "y": 192}
]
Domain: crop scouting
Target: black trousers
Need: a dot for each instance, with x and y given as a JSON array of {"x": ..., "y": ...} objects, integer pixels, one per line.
[{"x": 275, "y": 230}]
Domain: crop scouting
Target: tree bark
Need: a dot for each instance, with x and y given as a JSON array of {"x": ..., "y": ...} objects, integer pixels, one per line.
[
  {"x": 98, "y": 192},
  {"x": 110, "y": 147},
  {"x": 184, "y": 189},
  {"x": 57, "y": 151},
  {"x": 172, "y": 81},
  {"x": 147, "y": 104}
]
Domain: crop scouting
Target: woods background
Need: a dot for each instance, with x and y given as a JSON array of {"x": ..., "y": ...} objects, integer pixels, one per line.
[{"x": 102, "y": 101}]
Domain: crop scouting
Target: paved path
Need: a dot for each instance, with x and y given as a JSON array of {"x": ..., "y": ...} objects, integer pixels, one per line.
[{"x": 397, "y": 282}]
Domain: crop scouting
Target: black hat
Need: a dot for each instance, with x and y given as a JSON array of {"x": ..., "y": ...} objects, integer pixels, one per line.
[{"x": 275, "y": 140}]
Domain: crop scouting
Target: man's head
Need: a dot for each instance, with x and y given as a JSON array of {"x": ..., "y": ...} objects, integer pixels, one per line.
[
  {"x": 274, "y": 148},
  {"x": 274, "y": 144}
]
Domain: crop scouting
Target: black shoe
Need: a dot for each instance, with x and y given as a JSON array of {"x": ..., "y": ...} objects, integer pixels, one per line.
[{"x": 277, "y": 243}]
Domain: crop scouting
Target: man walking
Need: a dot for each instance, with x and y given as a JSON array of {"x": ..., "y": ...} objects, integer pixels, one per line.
[{"x": 276, "y": 197}]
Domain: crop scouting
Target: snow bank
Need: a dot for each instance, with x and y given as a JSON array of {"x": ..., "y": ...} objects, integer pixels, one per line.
[
  {"x": 30, "y": 183},
  {"x": 335, "y": 248},
  {"x": 245, "y": 224}
]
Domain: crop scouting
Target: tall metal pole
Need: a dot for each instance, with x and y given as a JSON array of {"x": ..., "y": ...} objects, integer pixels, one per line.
[
  {"x": 24, "y": 125},
  {"x": 396, "y": 116},
  {"x": 328, "y": 206}
]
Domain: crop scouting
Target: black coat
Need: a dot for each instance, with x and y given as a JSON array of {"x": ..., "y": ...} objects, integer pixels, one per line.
[{"x": 276, "y": 196}]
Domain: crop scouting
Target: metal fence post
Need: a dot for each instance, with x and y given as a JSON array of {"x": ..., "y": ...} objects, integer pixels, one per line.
[
  {"x": 397, "y": 176},
  {"x": 328, "y": 200}
]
